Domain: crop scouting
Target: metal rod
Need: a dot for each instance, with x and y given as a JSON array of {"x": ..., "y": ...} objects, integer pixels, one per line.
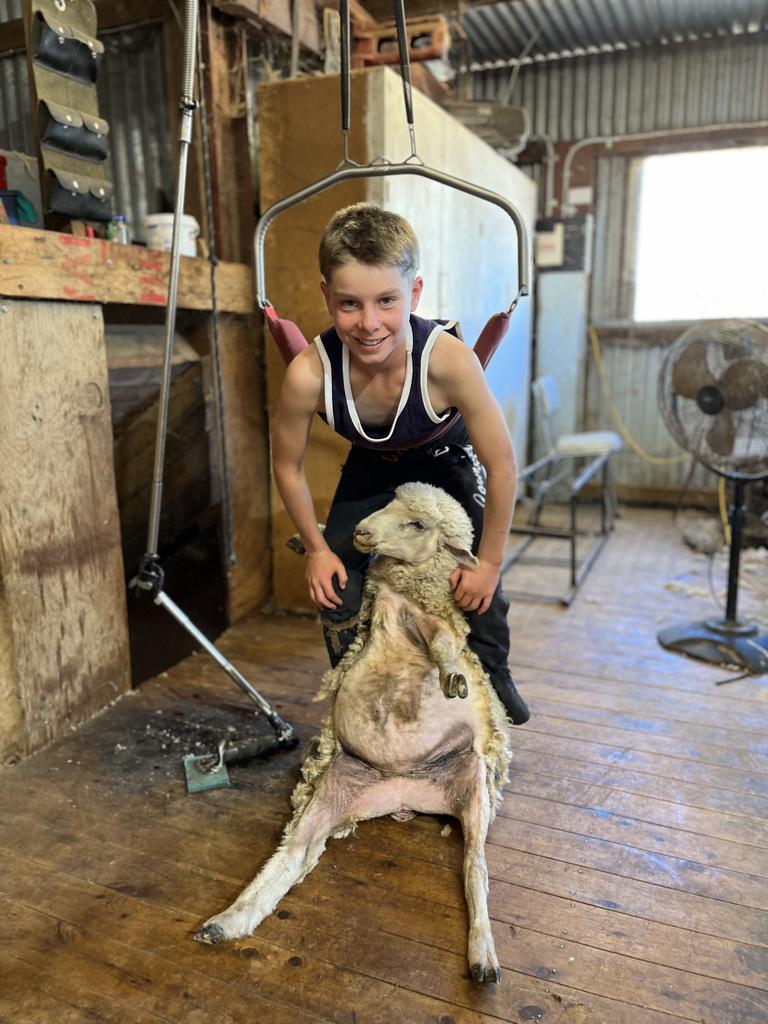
[
  {"x": 295, "y": 37},
  {"x": 150, "y": 577},
  {"x": 380, "y": 171},
  {"x": 588, "y": 472},
  {"x": 186, "y": 108},
  {"x": 345, "y": 64},
  {"x": 738, "y": 512},
  {"x": 405, "y": 68},
  {"x": 283, "y": 729}
]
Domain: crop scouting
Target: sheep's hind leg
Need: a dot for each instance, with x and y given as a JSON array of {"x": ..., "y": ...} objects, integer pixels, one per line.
[
  {"x": 474, "y": 814},
  {"x": 291, "y": 863}
]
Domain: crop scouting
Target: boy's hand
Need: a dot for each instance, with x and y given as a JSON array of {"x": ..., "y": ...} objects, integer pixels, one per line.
[
  {"x": 322, "y": 566},
  {"x": 473, "y": 589}
]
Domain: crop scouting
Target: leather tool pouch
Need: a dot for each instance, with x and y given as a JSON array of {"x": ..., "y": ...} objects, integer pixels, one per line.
[
  {"x": 65, "y": 50},
  {"x": 78, "y": 197},
  {"x": 71, "y": 131}
]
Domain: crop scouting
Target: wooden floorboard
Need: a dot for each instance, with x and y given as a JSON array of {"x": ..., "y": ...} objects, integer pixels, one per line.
[{"x": 628, "y": 862}]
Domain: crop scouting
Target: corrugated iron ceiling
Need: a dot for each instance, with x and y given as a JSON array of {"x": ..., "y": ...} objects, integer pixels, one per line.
[{"x": 556, "y": 29}]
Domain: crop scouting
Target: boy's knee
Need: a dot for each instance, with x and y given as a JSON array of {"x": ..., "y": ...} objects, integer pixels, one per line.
[
  {"x": 340, "y": 623},
  {"x": 351, "y": 599}
]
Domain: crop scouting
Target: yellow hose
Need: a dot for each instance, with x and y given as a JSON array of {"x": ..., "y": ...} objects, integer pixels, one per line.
[
  {"x": 656, "y": 460},
  {"x": 723, "y": 510}
]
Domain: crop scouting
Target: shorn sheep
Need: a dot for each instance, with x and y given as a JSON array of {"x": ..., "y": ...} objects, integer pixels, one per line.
[{"x": 415, "y": 725}]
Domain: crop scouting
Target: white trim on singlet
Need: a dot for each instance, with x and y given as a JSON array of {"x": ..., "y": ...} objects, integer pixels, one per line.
[
  {"x": 403, "y": 397},
  {"x": 327, "y": 381},
  {"x": 426, "y": 352}
]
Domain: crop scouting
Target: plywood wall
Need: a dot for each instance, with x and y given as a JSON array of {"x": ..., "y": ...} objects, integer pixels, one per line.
[
  {"x": 63, "y": 630},
  {"x": 468, "y": 247}
]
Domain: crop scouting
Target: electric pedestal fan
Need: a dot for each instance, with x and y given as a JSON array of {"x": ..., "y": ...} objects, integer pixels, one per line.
[{"x": 713, "y": 395}]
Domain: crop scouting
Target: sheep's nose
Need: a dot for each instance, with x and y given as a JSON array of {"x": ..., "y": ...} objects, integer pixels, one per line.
[{"x": 363, "y": 539}]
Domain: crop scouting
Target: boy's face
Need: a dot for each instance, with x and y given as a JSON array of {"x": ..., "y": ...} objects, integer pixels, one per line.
[{"x": 370, "y": 305}]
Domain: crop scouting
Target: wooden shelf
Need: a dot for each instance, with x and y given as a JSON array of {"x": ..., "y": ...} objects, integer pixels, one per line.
[{"x": 48, "y": 265}]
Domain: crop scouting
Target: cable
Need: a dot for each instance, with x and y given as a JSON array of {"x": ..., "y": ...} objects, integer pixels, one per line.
[{"x": 655, "y": 460}]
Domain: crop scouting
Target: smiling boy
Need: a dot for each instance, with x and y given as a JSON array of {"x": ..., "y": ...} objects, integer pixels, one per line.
[{"x": 384, "y": 379}]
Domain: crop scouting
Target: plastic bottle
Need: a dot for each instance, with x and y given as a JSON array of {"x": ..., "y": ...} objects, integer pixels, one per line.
[{"x": 118, "y": 230}]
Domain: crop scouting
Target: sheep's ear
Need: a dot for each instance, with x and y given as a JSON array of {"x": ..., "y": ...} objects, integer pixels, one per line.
[{"x": 465, "y": 557}]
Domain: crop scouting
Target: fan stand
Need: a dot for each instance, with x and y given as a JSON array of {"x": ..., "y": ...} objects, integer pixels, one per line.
[{"x": 724, "y": 641}]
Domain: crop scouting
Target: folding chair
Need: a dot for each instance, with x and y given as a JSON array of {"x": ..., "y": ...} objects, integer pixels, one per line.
[{"x": 570, "y": 462}]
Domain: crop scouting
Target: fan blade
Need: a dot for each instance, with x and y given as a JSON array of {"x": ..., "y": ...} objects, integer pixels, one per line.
[
  {"x": 744, "y": 383},
  {"x": 722, "y": 434},
  {"x": 690, "y": 373}
]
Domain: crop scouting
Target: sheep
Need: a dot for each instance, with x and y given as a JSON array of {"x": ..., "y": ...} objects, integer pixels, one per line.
[{"x": 415, "y": 725}]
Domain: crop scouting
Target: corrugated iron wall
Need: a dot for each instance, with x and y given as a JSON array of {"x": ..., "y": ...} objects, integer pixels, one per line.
[
  {"x": 15, "y": 119},
  {"x": 632, "y": 373},
  {"x": 714, "y": 81},
  {"x": 131, "y": 98},
  {"x": 10, "y": 9},
  {"x": 711, "y": 81}
]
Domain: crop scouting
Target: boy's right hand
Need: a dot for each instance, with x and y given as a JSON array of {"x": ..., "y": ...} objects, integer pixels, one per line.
[{"x": 322, "y": 566}]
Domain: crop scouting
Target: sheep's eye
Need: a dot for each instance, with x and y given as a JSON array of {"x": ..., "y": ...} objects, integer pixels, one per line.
[{"x": 417, "y": 525}]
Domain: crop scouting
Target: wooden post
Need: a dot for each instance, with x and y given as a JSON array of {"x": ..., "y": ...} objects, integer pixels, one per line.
[
  {"x": 63, "y": 628},
  {"x": 226, "y": 69}
]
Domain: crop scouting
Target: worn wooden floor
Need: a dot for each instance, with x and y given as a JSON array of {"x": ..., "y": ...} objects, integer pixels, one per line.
[{"x": 629, "y": 863}]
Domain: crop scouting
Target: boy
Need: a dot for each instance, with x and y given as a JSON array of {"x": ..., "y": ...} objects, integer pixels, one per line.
[{"x": 384, "y": 378}]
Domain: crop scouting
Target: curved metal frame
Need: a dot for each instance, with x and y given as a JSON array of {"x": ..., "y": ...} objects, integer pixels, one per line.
[
  {"x": 380, "y": 171},
  {"x": 382, "y": 168}
]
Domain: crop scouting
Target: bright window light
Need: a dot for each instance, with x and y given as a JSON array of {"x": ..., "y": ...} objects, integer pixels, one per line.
[{"x": 702, "y": 247}]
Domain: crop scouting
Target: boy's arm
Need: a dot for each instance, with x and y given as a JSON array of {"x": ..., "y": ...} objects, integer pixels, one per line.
[
  {"x": 299, "y": 401},
  {"x": 457, "y": 379}
]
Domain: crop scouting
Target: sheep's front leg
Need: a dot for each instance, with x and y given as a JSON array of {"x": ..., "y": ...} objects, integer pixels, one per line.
[
  {"x": 439, "y": 641},
  {"x": 444, "y": 652},
  {"x": 474, "y": 815},
  {"x": 297, "y": 855}
]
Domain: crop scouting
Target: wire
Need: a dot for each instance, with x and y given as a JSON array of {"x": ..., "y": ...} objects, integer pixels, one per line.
[{"x": 655, "y": 460}]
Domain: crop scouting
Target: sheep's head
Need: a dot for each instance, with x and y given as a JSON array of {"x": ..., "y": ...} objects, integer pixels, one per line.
[{"x": 420, "y": 520}]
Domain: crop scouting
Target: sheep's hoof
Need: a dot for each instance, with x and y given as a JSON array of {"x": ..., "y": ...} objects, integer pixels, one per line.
[
  {"x": 486, "y": 974},
  {"x": 454, "y": 685},
  {"x": 211, "y": 934}
]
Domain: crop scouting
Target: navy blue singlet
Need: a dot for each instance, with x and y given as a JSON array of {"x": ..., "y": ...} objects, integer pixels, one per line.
[{"x": 415, "y": 416}]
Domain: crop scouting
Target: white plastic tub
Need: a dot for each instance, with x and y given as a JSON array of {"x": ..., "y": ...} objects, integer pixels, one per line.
[{"x": 158, "y": 229}]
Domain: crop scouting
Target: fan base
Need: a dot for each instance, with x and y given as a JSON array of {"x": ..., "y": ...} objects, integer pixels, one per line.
[{"x": 720, "y": 642}]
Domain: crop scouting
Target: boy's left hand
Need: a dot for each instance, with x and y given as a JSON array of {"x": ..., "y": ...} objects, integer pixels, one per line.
[{"x": 473, "y": 589}]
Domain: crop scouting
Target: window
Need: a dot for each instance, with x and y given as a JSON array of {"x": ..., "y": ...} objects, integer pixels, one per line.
[{"x": 702, "y": 236}]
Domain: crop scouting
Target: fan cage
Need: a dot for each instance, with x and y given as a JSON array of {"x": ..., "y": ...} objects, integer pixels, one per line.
[{"x": 713, "y": 347}]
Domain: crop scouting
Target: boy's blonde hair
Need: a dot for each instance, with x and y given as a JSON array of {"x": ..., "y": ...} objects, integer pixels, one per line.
[{"x": 365, "y": 233}]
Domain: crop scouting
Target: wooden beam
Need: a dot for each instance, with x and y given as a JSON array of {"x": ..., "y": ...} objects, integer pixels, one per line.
[
  {"x": 225, "y": 49},
  {"x": 381, "y": 10},
  {"x": 48, "y": 265},
  {"x": 249, "y": 580},
  {"x": 276, "y": 14},
  {"x": 360, "y": 16},
  {"x": 113, "y": 14}
]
